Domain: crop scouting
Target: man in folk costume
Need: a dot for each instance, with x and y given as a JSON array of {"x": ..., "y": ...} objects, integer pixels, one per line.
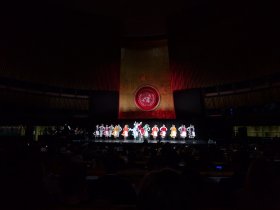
[
  {"x": 146, "y": 131},
  {"x": 163, "y": 131},
  {"x": 183, "y": 131},
  {"x": 173, "y": 133},
  {"x": 101, "y": 130},
  {"x": 155, "y": 132},
  {"x": 141, "y": 131},
  {"x": 111, "y": 128},
  {"x": 125, "y": 132},
  {"x": 116, "y": 131},
  {"x": 96, "y": 132},
  {"x": 135, "y": 130},
  {"x": 191, "y": 132}
]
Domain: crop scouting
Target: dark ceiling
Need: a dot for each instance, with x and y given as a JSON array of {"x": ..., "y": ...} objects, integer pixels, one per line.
[
  {"x": 123, "y": 15},
  {"x": 56, "y": 35}
]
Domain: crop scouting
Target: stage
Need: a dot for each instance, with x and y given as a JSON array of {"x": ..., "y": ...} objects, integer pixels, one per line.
[{"x": 132, "y": 141}]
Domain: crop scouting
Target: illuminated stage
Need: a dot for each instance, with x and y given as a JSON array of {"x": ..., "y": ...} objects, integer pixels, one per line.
[{"x": 132, "y": 141}]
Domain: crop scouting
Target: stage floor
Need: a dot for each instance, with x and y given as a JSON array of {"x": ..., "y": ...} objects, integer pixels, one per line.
[{"x": 132, "y": 141}]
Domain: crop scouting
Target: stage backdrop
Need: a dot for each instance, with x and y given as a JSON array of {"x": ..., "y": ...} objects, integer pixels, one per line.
[{"x": 145, "y": 84}]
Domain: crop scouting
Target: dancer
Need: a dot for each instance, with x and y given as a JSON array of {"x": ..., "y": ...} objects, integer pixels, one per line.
[
  {"x": 146, "y": 131},
  {"x": 116, "y": 131},
  {"x": 106, "y": 132},
  {"x": 135, "y": 130},
  {"x": 96, "y": 133},
  {"x": 163, "y": 131},
  {"x": 125, "y": 132},
  {"x": 183, "y": 131},
  {"x": 173, "y": 133},
  {"x": 76, "y": 131},
  {"x": 111, "y": 128},
  {"x": 141, "y": 131},
  {"x": 155, "y": 132},
  {"x": 101, "y": 130},
  {"x": 191, "y": 132}
]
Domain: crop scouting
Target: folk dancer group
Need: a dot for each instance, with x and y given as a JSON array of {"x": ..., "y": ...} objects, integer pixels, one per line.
[
  {"x": 107, "y": 131},
  {"x": 141, "y": 132}
]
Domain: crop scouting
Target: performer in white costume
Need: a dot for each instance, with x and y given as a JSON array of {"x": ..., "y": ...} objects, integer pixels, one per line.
[
  {"x": 183, "y": 131},
  {"x": 135, "y": 130},
  {"x": 141, "y": 131},
  {"x": 96, "y": 133},
  {"x": 191, "y": 132},
  {"x": 101, "y": 130},
  {"x": 111, "y": 128},
  {"x": 146, "y": 131},
  {"x": 106, "y": 132}
]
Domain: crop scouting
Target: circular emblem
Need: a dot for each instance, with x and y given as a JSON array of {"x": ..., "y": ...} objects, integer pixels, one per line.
[{"x": 147, "y": 98}]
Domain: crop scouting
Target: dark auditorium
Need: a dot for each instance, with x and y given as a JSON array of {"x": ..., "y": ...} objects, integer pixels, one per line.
[{"x": 139, "y": 105}]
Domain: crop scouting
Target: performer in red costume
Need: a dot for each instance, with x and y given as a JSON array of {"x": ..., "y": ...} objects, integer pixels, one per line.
[
  {"x": 155, "y": 132},
  {"x": 125, "y": 132},
  {"x": 163, "y": 131}
]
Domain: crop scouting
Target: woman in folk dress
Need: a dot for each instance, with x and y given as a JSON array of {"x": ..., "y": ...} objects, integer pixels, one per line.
[
  {"x": 163, "y": 131},
  {"x": 125, "y": 132},
  {"x": 116, "y": 131},
  {"x": 155, "y": 132},
  {"x": 173, "y": 133}
]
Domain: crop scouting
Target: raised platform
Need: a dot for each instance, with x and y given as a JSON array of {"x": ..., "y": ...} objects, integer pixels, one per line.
[{"x": 132, "y": 141}]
